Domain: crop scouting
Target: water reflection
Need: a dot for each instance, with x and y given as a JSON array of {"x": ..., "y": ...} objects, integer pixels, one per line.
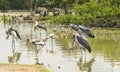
[
  {"x": 85, "y": 65},
  {"x": 14, "y": 58}
]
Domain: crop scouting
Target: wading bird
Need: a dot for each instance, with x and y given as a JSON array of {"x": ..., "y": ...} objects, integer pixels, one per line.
[
  {"x": 15, "y": 35},
  {"x": 80, "y": 39},
  {"x": 82, "y": 29},
  {"x": 38, "y": 42},
  {"x": 52, "y": 36},
  {"x": 41, "y": 43},
  {"x": 38, "y": 26}
]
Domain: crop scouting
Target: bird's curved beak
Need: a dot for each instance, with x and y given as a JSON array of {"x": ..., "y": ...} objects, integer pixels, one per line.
[
  {"x": 35, "y": 28},
  {"x": 27, "y": 41},
  {"x": 7, "y": 35}
]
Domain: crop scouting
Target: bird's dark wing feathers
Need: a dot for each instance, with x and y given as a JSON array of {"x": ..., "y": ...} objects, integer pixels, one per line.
[
  {"x": 74, "y": 28},
  {"x": 42, "y": 27},
  {"x": 84, "y": 43},
  {"x": 86, "y": 31},
  {"x": 18, "y": 34}
]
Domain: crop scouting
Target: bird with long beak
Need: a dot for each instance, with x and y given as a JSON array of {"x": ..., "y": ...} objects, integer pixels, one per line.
[
  {"x": 38, "y": 26},
  {"x": 83, "y": 29},
  {"x": 82, "y": 41},
  {"x": 52, "y": 35},
  {"x": 14, "y": 33}
]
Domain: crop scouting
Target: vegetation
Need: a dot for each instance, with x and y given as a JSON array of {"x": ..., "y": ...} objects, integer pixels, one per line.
[
  {"x": 97, "y": 13},
  {"x": 92, "y": 14}
]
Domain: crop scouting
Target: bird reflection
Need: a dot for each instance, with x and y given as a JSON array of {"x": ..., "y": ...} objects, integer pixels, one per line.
[
  {"x": 15, "y": 57},
  {"x": 85, "y": 65}
]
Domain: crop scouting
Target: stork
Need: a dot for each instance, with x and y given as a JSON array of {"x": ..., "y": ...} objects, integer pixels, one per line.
[
  {"x": 79, "y": 37},
  {"x": 15, "y": 35},
  {"x": 38, "y": 26}
]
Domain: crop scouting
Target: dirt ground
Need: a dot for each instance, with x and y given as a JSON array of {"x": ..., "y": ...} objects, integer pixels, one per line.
[{"x": 22, "y": 68}]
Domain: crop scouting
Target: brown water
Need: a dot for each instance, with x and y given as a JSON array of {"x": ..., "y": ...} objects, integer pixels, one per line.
[{"x": 58, "y": 56}]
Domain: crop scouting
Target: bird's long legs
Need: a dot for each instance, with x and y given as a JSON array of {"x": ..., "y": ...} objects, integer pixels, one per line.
[
  {"x": 40, "y": 33},
  {"x": 13, "y": 45},
  {"x": 83, "y": 55},
  {"x": 52, "y": 45},
  {"x": 36, "y": 55}
]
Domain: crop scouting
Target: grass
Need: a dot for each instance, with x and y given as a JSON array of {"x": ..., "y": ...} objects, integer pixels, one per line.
[{"x": 22, "y": 68}]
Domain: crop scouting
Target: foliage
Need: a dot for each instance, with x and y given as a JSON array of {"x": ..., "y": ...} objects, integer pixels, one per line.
[
  {"x": 92, "y": 14},
  {"x": 99, "y": 13},
  {"x": 5, "y": 19}
]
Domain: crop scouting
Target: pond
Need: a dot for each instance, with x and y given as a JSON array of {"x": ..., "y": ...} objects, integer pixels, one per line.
[{"x": 58, "y": 54}]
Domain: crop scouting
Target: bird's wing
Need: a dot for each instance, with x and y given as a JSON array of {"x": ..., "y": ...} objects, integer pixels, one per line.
[
  {"x": 74, "y": 27},
  {"x": 18, "y": 35},
  {"x": 84, "y": 42},
  {"x": 42, "y": 27},
  {"x": 86, "y": 31},
  {"x": 40, "y": 43}
]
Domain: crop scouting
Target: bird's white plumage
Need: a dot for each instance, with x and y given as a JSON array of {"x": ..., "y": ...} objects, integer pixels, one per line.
[
  {"x": 40, "y": 43},
  {"x": 14, "y": 34}
]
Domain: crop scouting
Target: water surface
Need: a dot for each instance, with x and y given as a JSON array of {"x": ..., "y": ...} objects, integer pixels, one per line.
[{"x": 58, "y": 56}]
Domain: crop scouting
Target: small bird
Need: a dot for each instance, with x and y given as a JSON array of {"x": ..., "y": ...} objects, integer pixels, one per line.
[
  {"x": 14, "y": 33},
  {"x": 38, "y": 26}
]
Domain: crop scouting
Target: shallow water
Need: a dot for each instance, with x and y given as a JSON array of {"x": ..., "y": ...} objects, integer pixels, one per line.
[{"x": 58, "y": 56}]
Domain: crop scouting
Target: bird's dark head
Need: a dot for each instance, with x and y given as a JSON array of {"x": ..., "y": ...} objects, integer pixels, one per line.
[
  {"x": 74, "y": 27},
  {"x": 90, "y": 34}
]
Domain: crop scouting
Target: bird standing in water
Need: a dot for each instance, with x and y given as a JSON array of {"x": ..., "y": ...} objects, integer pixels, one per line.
[
  {"x": 38, "y": 26},
  {"x": 80, "y": 39},
  {"x": 15, "y": 35}
]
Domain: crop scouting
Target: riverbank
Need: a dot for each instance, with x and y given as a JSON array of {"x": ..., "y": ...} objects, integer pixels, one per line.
[{"x": 22, "y": 68}]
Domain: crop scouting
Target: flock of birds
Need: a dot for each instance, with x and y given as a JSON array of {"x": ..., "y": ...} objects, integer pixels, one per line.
[{"x": 78, "y": 36}]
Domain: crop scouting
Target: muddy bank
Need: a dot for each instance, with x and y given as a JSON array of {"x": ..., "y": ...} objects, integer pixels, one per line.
[{"x": 22, "y": 68}]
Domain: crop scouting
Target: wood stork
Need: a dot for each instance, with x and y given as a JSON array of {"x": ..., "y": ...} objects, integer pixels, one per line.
[
  {"x": 37, "y": 42},
  {"x": 15, "y": 35},
  {"x": 52, "y": 36},
  {"x": 38, "y": 26}
]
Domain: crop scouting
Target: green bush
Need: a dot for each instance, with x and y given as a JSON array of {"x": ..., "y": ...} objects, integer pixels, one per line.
[{"x": 91, "y": 14}]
